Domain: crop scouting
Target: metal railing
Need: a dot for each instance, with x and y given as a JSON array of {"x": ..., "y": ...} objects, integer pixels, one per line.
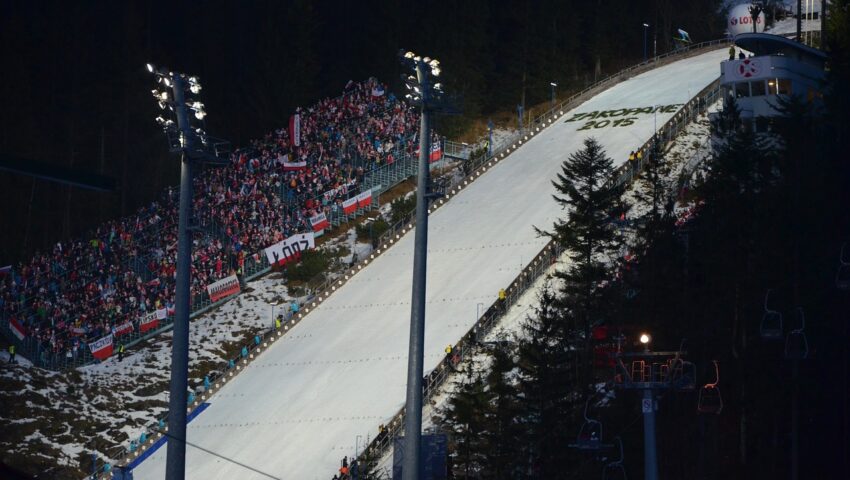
[
  {"x": 520, "y": 284},
  {"x": 550, "y": 252}
]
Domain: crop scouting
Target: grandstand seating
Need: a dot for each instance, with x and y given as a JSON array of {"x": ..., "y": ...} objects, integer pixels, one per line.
[{"x": 88, "y": 287}]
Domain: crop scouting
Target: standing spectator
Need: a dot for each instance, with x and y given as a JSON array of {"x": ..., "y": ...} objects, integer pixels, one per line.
[
  {"x": 12, "y": 354},
  {"x": 121, "y": 352}
]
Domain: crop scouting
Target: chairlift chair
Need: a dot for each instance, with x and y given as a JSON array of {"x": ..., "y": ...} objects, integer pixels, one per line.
[
  {"x": 615, "y": 470},
  {"x": 796, "y": 344},
  {"x": 590, "y": 434},
  {"x": 682, "y": 374},
  {"x": 710, "y": 401},
  {"x": 771, "y": 321},
  {"x": 842, "y": 276}
]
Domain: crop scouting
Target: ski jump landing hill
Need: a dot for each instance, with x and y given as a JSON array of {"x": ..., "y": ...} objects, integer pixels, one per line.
[{"x": 301, "y": 405}]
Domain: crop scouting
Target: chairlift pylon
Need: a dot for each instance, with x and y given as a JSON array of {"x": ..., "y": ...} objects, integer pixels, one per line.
[
  {"x": 615, "y": 470},
  {"x": 796, "y": 344},
  {"x": 771, "y": 321},
  {"x": 842, "y": 276},
  {"x": 710, "y": 401}
]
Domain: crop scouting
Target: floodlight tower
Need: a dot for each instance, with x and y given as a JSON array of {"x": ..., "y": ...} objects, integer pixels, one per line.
[
  {"x": 177, "y": 93},
  {"x": 426, "y": 93}
]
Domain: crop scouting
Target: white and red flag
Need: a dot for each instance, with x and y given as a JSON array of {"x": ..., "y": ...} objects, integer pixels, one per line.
[
  {"x": 102, "y": 349},
  {"x": 294, "y": 166},
  {"x": 295, "y": 130},
  {"x": 364, "y": 199},
  {"x": 19, "y": 330},
  {"x": 349, "y": 206},
  {"x": 319, "y": 222},
  {"x": 149, "y": 322},
  {"x": 124, "y": 328}
]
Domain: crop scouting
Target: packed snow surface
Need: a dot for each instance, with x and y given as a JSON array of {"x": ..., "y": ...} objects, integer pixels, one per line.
[{"x": 301, "y": 406}]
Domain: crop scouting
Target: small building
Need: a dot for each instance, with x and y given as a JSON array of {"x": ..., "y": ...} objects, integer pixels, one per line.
[{"x": 779, "y": 66}]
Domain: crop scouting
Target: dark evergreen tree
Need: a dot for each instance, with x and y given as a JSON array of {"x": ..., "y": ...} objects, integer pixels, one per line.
[
  {"x": 655, "y": 189},
  {"x": 588, "y": 234},
  {"x": 503, "y": 435},
  {"x": 549, "y": 393},
  {"x": 464, "y": 418}
]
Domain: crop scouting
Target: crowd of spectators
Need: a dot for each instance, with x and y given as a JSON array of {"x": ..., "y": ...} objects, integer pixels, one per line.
[{"x": 83, "y": 289}]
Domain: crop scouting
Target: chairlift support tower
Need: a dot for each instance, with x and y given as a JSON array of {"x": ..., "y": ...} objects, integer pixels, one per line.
[{"x": 650, "y": 372}]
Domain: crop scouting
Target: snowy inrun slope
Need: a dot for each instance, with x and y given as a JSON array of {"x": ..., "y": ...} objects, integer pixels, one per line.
[{"x": 298, "y": 409}]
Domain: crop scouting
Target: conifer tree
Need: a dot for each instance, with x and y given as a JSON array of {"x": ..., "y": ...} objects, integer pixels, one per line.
[
  {"x": 503, "y": 433},
  {"x": 655, "y": 189},
  {"x": 588, "y": 234},
  {"x": 547, "y": 370},
  {"x": 464, "y": 418}
]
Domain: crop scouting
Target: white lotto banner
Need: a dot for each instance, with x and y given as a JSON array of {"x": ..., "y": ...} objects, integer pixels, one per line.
[{"x": 282, "y": 252}]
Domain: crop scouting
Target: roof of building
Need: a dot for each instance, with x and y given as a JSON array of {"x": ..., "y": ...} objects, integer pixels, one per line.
[{"x": 768, "y": 44}]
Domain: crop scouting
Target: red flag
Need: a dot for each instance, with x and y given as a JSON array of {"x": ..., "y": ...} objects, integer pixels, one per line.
[
  {"x": 295, "y": 130},
  {"x": 319, "y": 222},
  {"x": 364, "y": 199},
  {"x": 124, "y": 328},
  {"x": 294, "y": 166},
  {"x": 19, "y": 330},
  {"x": 149, "y": 322},
  {"x": 349, "y": 206},
  {"x": 102, "y": 349},
  {"x": 436, "y": 152}
]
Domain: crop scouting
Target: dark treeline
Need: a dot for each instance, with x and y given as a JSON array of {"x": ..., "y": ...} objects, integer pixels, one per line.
[
  {"x": 76, "y": 92},
  {"x": 771, "y": 214}
]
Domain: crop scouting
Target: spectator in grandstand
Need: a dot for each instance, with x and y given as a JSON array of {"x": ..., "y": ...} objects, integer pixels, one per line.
[{"x": 88, "y": 287}]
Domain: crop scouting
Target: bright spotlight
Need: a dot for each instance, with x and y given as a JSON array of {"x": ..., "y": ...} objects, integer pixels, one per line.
[{"x": 644, "y": 338}]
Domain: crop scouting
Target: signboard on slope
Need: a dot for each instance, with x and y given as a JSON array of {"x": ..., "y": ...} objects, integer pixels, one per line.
[
  {"x": 620, "y": 117},
  {"x": 290, "y": 249}
]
